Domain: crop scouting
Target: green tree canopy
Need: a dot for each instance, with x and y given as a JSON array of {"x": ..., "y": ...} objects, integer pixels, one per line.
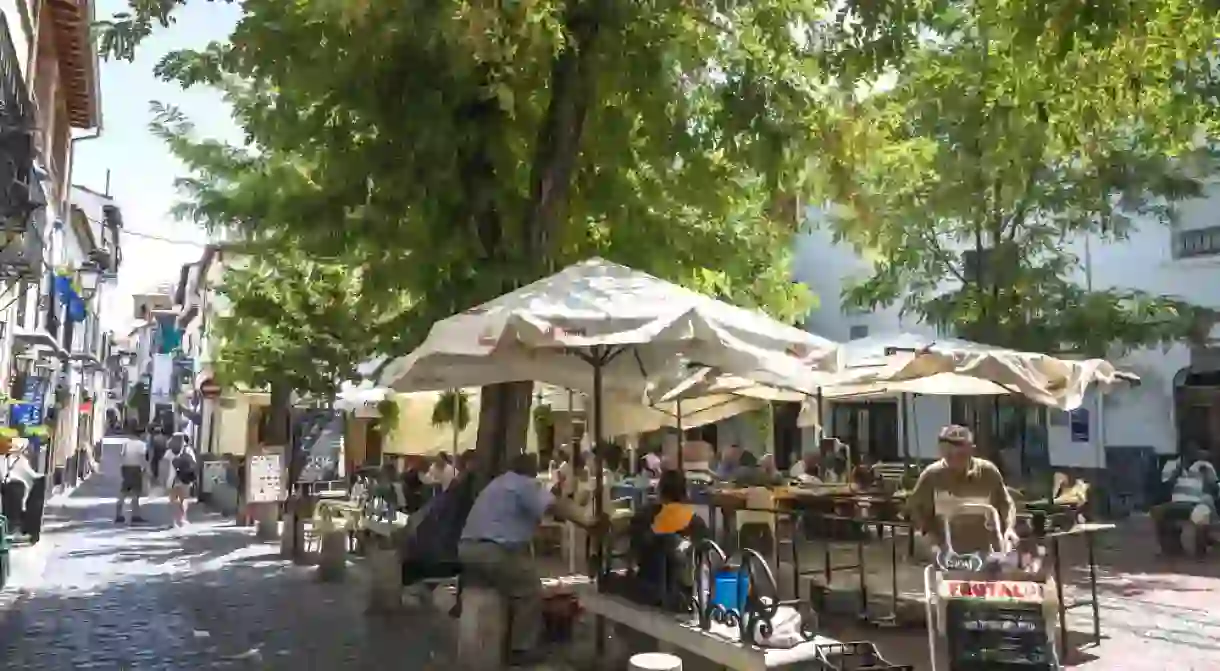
[
  {"x": 460, "y": 149},
  {"x": 292, "y": 320},
  {"x": 976, "y": 166}
]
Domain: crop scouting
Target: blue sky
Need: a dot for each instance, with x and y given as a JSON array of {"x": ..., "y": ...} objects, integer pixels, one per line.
[{"x": 142, "y": 171}]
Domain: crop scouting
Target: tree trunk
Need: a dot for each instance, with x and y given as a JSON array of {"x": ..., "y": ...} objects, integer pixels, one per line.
[
  {"x": 279, "y": 416},
  {"x": 504, "y": 417}
]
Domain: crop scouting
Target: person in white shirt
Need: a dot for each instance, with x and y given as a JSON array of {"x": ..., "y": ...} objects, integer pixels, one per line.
[
  {"x": 134, "y": 456},
  {"x": 808, "y": 467},
  {"x": 442, "y": 472}
]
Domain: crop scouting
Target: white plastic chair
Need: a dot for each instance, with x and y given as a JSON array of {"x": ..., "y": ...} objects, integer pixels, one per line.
[{"x": 760, "y": 510}]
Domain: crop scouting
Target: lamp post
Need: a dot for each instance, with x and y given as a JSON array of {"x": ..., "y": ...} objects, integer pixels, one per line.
[{"x": 89, "y": 275}]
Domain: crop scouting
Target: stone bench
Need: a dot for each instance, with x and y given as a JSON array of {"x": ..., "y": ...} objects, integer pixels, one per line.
[
  {"x": 720, "y": 644},
  {"x": 704, "y": 634},
  {"x": 483, "y": 626}
]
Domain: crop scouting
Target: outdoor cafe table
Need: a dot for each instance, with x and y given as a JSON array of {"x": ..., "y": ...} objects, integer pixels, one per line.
[
  {"x": 839, "y": 498},
  {"x": 833, "y": 507},
  {"x": 1088, "y": 530}
]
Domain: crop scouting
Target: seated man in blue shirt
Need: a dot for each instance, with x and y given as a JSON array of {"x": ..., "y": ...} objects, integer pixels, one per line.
[{"x": 495, "y": 546}]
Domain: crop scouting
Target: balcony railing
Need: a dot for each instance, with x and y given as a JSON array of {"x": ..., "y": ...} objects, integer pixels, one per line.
[
  {"x": 1196, "y": 242},
  {"x": 16, "y": 109},
  {"x": 17, "y": 191}
]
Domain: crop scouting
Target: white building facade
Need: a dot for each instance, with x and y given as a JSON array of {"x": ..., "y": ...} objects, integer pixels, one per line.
[{"x": 1178, "y": 400}]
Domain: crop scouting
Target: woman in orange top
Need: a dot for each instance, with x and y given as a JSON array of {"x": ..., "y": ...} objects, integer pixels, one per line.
[{"x": 661, "y": 537}]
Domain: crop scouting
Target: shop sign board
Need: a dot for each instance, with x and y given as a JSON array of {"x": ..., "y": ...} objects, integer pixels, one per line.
[{"x": 265, "y": 478}]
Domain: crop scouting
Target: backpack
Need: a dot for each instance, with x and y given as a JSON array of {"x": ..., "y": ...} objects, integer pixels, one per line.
[{"x": 184, "y": 467}]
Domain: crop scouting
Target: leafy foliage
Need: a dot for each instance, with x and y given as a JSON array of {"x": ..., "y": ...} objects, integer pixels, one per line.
[
  {"x": 1004, "y": 134},
  {"x": 453, "y": 409},
  {"x": 296, "y": 321},
  {"x": 459, "y": 149}
]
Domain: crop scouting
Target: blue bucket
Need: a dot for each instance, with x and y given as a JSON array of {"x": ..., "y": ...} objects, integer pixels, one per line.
[{"x": 731, "y": 590}]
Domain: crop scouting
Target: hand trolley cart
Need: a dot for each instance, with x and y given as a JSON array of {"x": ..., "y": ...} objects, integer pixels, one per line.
[{"x": 983, "y": 613}]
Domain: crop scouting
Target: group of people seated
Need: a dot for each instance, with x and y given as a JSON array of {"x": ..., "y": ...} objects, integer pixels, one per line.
[
  {"x": 486, "y": 534},
  {"x": 386, "y": 491}
]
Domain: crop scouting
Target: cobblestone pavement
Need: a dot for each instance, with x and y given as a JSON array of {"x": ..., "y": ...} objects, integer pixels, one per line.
[
  {"x": 154, "y": 598},
  {"x": 151, "y": 598}
]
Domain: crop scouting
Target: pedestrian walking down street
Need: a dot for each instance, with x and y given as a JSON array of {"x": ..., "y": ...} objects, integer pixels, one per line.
[
  {"x": 159, "y": 444},
  {"x": 182, "y": 479},
  {"x": 133, "y": 456}
]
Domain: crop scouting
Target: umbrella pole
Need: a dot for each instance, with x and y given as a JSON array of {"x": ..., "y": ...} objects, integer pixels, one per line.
[
  {"x": 681, "y": 436},
  {"x": 457, "y": 414},
  {"x": 821, "y": 415},
  {"x": 598, "y": 360},
  {"x": 573, "y": 444},
  {"x": 906, "y": 431}
]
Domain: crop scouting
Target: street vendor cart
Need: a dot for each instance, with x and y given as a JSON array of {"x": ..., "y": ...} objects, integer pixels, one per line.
[{"x": 986, "y": 611}]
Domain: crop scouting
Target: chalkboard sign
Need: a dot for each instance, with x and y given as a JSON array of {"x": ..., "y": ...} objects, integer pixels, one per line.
[
  {"x": 320, "y": 443},
  {"x": 997, "y": 635}
]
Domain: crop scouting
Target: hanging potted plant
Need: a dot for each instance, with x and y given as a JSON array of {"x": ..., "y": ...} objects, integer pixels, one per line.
[
  {"x": 387, "y": 416},
  {"x": 453, "y": 409},
  {"x": 544, "y": 419}
]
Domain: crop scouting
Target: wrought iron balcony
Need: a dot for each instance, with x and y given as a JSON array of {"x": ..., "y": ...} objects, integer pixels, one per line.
[{"x": 18, "y": 197}]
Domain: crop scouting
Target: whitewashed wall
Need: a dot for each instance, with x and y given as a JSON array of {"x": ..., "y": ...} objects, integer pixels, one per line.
[{"x": 1142, "y": 416}]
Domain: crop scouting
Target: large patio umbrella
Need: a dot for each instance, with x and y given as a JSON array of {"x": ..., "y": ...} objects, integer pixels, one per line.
[
  {"x": 904, "y": 363},
  {"x": 598, "y": 326},
  {"x": 626, "y": 324}
]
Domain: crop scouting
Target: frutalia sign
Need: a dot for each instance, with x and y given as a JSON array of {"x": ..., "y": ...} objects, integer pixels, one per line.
[{"x": 1009, "y": 590}]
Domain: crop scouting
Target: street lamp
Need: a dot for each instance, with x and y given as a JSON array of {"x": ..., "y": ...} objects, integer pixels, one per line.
[{"x": 88, "y": 275}]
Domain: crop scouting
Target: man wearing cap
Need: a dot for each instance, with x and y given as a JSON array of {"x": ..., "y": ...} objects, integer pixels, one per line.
[{"x": 960, "y": 477}]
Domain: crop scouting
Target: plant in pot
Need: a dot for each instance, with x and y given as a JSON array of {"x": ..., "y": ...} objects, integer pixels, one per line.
[
  {"x": 387, "y": 416},
  {"x": 453, "y": 409}
]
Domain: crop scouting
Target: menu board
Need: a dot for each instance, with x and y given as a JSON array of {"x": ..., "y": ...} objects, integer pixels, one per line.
[
  {"x": 320, "y": 443},
  {"x": 265, "y": 479},
  {"x": 997, "y": 635}
]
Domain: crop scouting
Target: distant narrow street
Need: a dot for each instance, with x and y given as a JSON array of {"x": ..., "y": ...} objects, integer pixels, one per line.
[{"x": 151, "y": 598}]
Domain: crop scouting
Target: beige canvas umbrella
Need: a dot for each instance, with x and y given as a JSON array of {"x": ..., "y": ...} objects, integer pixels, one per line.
[{"x": 890, "y": 366}]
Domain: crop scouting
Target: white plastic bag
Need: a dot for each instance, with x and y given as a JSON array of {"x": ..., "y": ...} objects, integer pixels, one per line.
[{"x": 785, "y": 630}]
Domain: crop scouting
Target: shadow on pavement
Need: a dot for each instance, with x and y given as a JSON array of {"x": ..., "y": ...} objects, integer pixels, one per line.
[{"x": 265, "y": 616}]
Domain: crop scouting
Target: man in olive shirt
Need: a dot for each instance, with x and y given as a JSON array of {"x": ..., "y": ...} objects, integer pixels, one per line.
[{"x": 960, "y": 477}]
